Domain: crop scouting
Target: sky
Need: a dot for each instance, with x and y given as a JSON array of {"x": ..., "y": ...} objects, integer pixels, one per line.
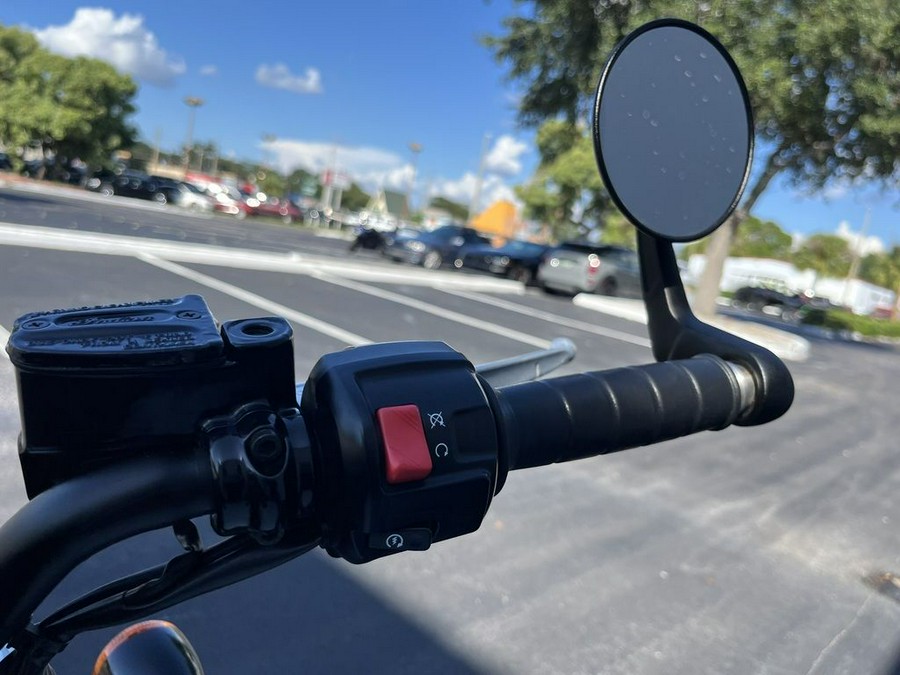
[{"x": 351, "y": 84}]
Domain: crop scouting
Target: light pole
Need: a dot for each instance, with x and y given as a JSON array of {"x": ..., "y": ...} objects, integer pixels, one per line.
[
  {"x": 415, "y": 149},
  {"x": 192, "y": 102},
  {"x": 476, "y": 195}
]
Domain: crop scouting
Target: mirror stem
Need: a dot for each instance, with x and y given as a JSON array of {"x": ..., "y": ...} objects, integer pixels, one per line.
[{"x": 676, "y": 333}]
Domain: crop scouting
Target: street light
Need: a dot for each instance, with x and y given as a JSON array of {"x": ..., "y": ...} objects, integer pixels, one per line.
[
  {"x": 476, "y": 195},
  {"x": 415, "y": 149},
  {"x": 192, "y": 102}
]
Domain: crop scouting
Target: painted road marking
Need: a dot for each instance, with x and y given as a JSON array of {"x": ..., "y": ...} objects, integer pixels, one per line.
[
  {"x": 553, "y": 318},
  {"x": 258, "y": 301},
  {"x": 291, "y": 263},
  {"x": 438, "y": 311},
  {"x": 4, "y": 338}
]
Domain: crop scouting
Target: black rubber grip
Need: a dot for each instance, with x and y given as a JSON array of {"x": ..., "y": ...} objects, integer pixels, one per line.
[{"x": 566, "y": 418}]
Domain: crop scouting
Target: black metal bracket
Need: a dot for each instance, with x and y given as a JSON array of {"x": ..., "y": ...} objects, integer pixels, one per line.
[
  {"x": 249, "y": 452},
  {"x": 676, "y": 333}
]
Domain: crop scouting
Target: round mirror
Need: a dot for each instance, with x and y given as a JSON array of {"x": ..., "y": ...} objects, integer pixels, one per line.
[{"x": 673, "y": 130}]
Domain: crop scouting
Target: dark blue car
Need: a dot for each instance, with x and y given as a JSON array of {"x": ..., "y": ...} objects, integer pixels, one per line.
[
  {"x": 517, "y": 260},
  {"x": 435, "y": 248}
]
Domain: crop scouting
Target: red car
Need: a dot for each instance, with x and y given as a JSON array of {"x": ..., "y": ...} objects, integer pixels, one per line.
[
  {"x": 275, "y": 208},
  {"x": 229, "y": 200}
]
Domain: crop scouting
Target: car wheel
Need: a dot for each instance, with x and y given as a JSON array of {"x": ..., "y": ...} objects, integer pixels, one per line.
[
  {"x": 160, "y": 198},
  {"x": 608, "y": 287},
  {"x": 458, "y": 263},
  {"x": 432, "y": 260},
  {"x": 522, "y": 274},
  {"x": 286, "y": 219},
  {"x": 106, "y": 190}
]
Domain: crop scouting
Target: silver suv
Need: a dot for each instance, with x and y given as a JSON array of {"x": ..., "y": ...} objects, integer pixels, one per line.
[{"x": 590, "y": 268}]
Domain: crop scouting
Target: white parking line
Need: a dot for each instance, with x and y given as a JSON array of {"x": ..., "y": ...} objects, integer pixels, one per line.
[
  {"x": 257, "y": 300},
  {"x": 553, "y": 318},
  {"x": 292, "y": 263},
  {"x": 450, "y": 315},
  {"x": 4, "y": 338}
]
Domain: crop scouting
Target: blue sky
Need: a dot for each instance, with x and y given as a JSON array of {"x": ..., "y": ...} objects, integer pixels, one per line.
[{"x": 352, "y": 82}]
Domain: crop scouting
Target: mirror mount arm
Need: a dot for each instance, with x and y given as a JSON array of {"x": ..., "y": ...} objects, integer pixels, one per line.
[{"x": 676, "y": 333}]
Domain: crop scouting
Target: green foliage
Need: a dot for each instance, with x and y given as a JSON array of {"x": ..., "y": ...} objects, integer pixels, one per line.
[
  {"x": 840, "y": 320},
  {"x": 617, "y": 230},
  {"x": 457, "y": 211},
  {"x": 298, "y": 178},
  {"x": 827, "y": 254},
  {"x": 823, "y": 78},
  {"x": 566, "y": 178},
  {"x": 823, "y": 75},
  {"x": 754, "y": 239},
  {"x": 882, "y": 269},
  {"x": 355, "y": 198},
  {"x": 271, "y": 182},
  {"x": 78, "y": 107}
]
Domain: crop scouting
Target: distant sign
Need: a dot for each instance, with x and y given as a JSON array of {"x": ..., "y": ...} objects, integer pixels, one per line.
[
  {"x": 336, "y": 179},
  {"x": 308, "y": 187}
]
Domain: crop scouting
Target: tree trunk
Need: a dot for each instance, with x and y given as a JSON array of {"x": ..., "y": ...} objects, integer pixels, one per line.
[{"x": 704, "y": 303}]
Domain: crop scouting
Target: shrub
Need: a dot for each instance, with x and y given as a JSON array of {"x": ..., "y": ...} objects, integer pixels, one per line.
[{"x": 846, "y": 321}]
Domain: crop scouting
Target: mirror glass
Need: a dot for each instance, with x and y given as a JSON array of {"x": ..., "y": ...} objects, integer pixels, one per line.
[{"x": 673, "y": 131}]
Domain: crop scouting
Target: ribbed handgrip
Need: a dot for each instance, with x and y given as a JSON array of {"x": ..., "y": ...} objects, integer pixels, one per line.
[{"x": 566, "y": 418}]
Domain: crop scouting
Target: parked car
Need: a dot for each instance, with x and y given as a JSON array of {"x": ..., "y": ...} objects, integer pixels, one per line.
[
  {"x": 432, "y": 249},
  {"x": 130, "y": 183},
  {"x": 193, "y": 198},
  {"x": 517, "y": 260},
  {"x": 758, "y": 298},
  {"x": 275, "y": 208},
  {"x": 229, "y": 200},
  {"x": 575, "y": 267},
  {"x": 5, "y": 162}
]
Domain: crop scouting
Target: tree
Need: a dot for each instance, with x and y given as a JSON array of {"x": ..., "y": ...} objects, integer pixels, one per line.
[
  {"x": 823, "y": 76},
  {"x": 271, "y": 182},
  {"x": 456, "y": 211},
  {"x": 755, "y": 239},
  {"x": 566, "y": 191},
  {"x": 882, "y": 269},
  {"x": 827, "y": 254},
  {"x": 76, "y": 107},
  {"x": 355, "y": 198}
]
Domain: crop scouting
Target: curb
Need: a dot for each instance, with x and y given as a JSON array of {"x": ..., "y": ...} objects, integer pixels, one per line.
[{"x": 784, "y": 345}]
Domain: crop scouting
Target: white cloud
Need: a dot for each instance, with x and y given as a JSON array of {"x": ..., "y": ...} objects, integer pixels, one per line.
[
  {"x": 121, "y": 41},
  {"x": 462, "y": 190},
  {"x": 374, "y": 168},
  {"x": 316, "y": 156},
  {"x": 279, "y": 76},
  {"x": 505, "y": 157},
  {"x": 859, "y": 243},
  {"x": 209, "y": 70}
]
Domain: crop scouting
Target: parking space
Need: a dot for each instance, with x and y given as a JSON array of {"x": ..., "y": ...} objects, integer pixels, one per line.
[{"x": 659, "y": 560}]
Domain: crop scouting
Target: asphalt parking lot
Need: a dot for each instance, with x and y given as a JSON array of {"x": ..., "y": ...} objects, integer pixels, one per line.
[{"x": 741, "y": 551}]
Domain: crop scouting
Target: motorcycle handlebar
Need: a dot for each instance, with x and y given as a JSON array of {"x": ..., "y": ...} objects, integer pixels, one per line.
[
  {"x": 596, "y": 413},
  {"x": 336, "y": 477},
  {"x": 64, "y": 526}
]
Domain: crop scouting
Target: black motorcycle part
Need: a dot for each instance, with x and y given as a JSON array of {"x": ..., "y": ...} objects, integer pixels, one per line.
[{"x": 103, "y": 383}]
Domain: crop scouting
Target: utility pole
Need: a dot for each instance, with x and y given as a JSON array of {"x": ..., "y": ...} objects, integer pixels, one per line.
[
  {"x": 192, "y": 102},
  {"x": 476, "y": 195},
  {"x": 156, "y": 142},
  {"x": 415, "y": 149},
  {"x": 857, "y": 255}
]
